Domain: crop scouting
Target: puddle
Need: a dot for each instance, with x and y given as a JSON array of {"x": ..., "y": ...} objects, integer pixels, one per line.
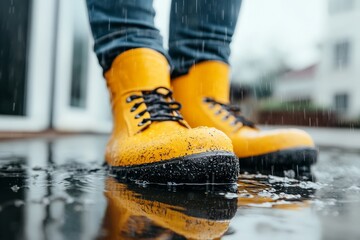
[{"x": 59, "y": 189}]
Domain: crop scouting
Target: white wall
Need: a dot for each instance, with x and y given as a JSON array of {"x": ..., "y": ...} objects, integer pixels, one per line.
[
  {"x": 45, "y": 46},
  {"x": 294, "y": 89},
  {"x": 331, "y": 81}
]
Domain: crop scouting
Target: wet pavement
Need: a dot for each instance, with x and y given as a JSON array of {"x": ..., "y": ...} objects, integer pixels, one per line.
[{"x": 58, "y": 189}]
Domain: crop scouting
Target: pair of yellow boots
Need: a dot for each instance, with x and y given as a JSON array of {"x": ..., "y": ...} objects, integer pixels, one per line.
[{"x": 204, "y": 142}]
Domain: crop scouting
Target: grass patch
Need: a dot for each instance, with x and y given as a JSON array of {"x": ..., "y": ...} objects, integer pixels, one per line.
[{"x": 300, "y": 106}]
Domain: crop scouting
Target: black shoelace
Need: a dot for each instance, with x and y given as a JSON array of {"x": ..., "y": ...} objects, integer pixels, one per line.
[
  {"x": 233, "y": 111},
  {"x": 159, "y": 104}
]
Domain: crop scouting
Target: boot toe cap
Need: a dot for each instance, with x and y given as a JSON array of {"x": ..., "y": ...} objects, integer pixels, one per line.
[
  {"x": 152, "y": 148},
  {"x": 253, "y": 142}
]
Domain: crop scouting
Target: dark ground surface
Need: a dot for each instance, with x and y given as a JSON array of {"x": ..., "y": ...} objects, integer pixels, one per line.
[{"x": 58, "y": 189}]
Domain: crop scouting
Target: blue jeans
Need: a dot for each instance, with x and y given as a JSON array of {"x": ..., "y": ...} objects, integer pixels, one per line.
[{"x": 200, "y": 30}]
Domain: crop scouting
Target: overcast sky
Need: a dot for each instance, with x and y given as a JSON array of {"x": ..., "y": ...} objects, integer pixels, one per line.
[{"x": 294, "y": 27}]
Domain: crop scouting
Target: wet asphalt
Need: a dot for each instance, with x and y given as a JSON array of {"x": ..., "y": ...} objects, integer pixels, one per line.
[{"x": 57, "y": 188}]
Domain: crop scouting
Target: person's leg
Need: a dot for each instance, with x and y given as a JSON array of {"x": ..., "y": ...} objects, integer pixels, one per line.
[
  {"x": 121, "y": 25},
  {"x": 201, "y": 30},
  {"x": 150, "y": 139},
  {"x": 200, "y": 36}
]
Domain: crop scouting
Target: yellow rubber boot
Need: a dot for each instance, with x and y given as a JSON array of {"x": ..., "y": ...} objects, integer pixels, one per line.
[
  {"x": 150, "y": 139},
  {"x": 260, "y": 194},
  {"x": 135, "y": 212},
  {"x": 204, "y": 95}
]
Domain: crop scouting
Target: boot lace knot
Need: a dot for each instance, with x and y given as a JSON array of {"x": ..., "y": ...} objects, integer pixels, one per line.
[
  {"x": 159, "y": 104},
  {"x": 232, "y": 110}
]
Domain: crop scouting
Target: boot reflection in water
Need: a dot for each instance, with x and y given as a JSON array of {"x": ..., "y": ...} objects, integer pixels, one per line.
[
  {"x": 261, "y": 193},
  {"x": 135, "y": 212}
]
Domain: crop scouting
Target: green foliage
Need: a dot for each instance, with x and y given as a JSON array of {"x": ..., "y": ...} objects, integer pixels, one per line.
[{"x": 273, "y": 105}]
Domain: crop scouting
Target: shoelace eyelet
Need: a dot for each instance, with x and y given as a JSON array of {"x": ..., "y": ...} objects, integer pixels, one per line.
[
  {"x": 233, "y": 123},
  {"x": 141, "y": 123},
  {"x": 218, "y": 112},
  {"x": 225, "y": 118}
]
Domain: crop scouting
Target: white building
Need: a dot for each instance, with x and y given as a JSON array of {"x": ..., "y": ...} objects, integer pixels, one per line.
[
  {"x": 338, "y": 79},
  {"x": 297, "y": 85},
  {"x": 49, "y": 75},
  {"x": 334, "y": 82}
]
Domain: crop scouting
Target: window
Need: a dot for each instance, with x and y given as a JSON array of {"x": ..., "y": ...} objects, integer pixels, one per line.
[
  {"x": 79, "y": 64},
  {"x": 339, "y": 6},
  {"x": 342, "y": 54},
  {"x": 14, "y": 24},
  {"x": 79, "y": 71},
  {"x": 341, "y": 103}
]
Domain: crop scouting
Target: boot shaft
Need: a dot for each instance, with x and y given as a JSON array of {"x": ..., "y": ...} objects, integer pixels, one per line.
[
  {"x": 206, "y": 79},
  {"x": 133, "y": 72},
  {"x": 138, "y": 69}
]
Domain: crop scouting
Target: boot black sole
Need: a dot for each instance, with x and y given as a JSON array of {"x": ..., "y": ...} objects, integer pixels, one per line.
[
  {"x": 203, "y": 168},
  {"x": 279, "y": 163}
]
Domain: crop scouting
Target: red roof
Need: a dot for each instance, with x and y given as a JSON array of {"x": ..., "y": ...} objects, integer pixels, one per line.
[{"x": 308, "y": 72}]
